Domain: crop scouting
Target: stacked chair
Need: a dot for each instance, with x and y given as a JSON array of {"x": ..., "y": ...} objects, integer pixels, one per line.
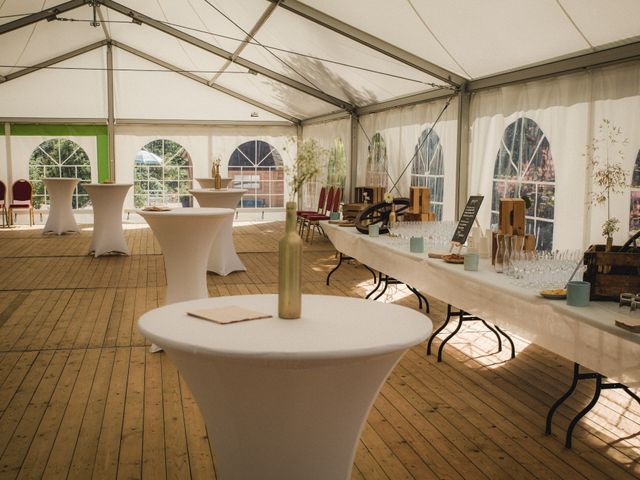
[
  {"x": 300, "y": 214},
  {"x": 312, "y": 221}
]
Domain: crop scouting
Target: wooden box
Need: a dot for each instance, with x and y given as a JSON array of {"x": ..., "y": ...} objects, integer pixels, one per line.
[
  {"x": 350, "y": 210},
  {"x": 612, "y": 273},
  {"x": 374, "y": 194},
  {"x": 409, "y": 216},
  {"x": 511, "y": 213}
]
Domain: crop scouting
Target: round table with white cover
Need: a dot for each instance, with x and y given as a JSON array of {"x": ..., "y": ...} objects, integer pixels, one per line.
[
  {"x": 107, "y": 200},
  {"x": 286, "y": 399},
  {"x": 60, "y": 219},
  {"x": 223, "y": 258},
  {"x": 185, "y": 236}
]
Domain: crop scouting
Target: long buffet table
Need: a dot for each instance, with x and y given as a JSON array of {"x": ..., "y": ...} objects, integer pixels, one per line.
[{"x": 587, "y": 336}]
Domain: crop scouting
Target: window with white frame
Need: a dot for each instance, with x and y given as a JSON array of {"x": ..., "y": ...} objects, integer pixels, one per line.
[
  {"x": 257, "y": 167},
  {"x": 524, "y": 167},
  {"x": 163, "y": 175},
  {"x": 634, "y": 208},
  {"x": 428, "y": 168},
  {"x": 377, "y": 162},
  {"x": 59, "y": 158}
]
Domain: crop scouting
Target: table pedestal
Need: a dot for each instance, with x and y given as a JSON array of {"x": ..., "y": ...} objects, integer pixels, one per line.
[
  {"x": 107, "y": 201},
  {"x": 223, "y": 258},
  {"x": 60, "y": 219}
]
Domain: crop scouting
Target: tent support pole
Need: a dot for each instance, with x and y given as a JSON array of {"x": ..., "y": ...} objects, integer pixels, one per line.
[
  {"x": 353, "y": 160},
  {"x": 7, "y": 149},
  {"x": 462, "y": 151},
  {"x": 111, "y": 119}
]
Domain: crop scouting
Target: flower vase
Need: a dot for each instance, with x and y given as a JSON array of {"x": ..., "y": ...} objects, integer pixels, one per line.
[
  {"x": 290, "y": 268},
  {"x": 392, "y": 215}
]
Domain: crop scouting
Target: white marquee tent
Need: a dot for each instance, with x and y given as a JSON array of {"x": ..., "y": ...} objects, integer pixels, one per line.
[{"x": 526, "y": 85}]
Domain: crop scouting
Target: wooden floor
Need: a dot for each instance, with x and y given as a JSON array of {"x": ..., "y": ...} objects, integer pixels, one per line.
[{"x": 81, "y": 397}]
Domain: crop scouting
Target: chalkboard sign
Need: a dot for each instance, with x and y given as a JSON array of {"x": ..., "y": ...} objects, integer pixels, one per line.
[{"x": 466, "y": 220}]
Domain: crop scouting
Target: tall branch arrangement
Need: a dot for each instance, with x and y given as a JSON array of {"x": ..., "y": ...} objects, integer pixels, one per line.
[
  {"x": 605, "y": 155},
  {"x": 305, "y": 166}
]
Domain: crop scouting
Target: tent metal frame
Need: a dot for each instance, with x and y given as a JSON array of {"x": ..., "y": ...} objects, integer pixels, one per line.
[{"x": 569, "y": 64}]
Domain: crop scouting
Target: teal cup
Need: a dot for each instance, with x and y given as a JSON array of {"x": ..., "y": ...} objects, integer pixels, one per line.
[
  {"x": 416, "y": 245},
  {"x": 578, "y": 293},
  {"x": 471, "y": 261},
  {"x": 334, "y": 216},
  {"x": 374, "y": 230}
]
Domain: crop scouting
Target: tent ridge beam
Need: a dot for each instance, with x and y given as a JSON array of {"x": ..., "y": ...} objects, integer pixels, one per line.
[
  {"x": 54, "y": 60},
  {"x": 197, "y": 42},
  {"x": 576, "y": 63},
  {"x": 204, "y": 123},
  {"x": 44, "y": 14},
  {"x": 203, "y": 81},
  {"x": 409, "y": 100},
  {"x": 371, "y": 41}
]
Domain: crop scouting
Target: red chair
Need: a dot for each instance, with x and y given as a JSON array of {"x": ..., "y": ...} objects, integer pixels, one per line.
[
  {"x": 314, "y": 220},
  {"x": 3, "y": 204},
  {"x": 322, "y": 211},
  {"x": 321, "y": 203},
  {"x": 21, "y": 199}
]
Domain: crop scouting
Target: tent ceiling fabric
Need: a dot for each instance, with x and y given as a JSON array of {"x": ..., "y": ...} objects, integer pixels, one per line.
[{"x": 310, "y": 70}]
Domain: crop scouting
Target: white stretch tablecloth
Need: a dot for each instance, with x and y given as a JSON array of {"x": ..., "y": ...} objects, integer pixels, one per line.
[
  {"x": 107, "y": 200},
  {"x": 185, "y": 236},
  {"x": 60, "y": 219},
  {"x": 286, "y": 399},
  {"x": 586, "y": 335},
  {"x": 223, "y": 258}
]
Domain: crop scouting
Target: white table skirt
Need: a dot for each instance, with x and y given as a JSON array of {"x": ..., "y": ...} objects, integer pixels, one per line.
[
  {"x": 585, "y": 335},
  {"x": 223, "y": 258},
  {"x": 60, "y": 219},
  {"x": 107, "y": 200},
  {"x": 286, "y": 399},
  {"x": 185, "y": 236}
]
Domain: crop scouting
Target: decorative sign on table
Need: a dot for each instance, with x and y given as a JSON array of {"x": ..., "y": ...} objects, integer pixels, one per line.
[{"x": 467, "y": 219}]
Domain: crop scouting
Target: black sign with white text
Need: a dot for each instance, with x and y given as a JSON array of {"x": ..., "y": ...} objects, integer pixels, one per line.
[{"x": 466, "y": 220}]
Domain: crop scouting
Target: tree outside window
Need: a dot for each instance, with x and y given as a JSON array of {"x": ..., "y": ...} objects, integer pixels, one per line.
[
  {"x": 524, "y": 166},
  {"x": 427, "y": 169},
  {"x": 163, "y": 175},
  {"x": 59, "y": 158},
  {"x": 634, "y": 208},
  {"x": 377, "y": 162},
  {"x": 257, "y": 167}
]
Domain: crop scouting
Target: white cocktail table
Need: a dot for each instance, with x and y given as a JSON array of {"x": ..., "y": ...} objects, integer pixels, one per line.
[
  {"x": 223, "y": 258},
  {"x": 286, "y": 399},
  {"x": 210, "y": 182},
  {"x": 60, "y": 219},
  {"x": 107, "y": 200},
  {"x": 185, "y": 236}
]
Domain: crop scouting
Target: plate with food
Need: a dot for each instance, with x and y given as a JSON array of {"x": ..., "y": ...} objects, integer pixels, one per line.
[
  {"x": 453, "y": 258},
  {"x": 554, "y": 293}
]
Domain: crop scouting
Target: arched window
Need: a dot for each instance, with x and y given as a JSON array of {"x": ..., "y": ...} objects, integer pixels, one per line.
[
  {"x": 162, "y": 174},
  {"x": 524, "y": 167},
  {"x": 634, "y": 209},
  {"x": 377, "y": 162},
  {"x": 257, "y": 167},
  {"x": 59, "y": 158},
  {"x": 337, "y": 164},
  {"x": 428, "y": 169}
]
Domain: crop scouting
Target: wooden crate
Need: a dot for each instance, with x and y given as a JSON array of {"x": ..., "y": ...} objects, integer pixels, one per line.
[
  {"x": 351, "y": 210},
  {"x": 512, "y": 216},
  {"x": 612, "y": 273},
  {"x": 375, "y": 194}
]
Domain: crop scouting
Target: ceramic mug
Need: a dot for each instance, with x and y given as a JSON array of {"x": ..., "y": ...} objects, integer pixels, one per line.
[
  {"x": 578, "y": 293},
  {"x": 374, "y": 230},
  {"x": 471, "y": 261},
  {"x": 416, "y": 245},
  {"x": 334, "y": 216}
]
